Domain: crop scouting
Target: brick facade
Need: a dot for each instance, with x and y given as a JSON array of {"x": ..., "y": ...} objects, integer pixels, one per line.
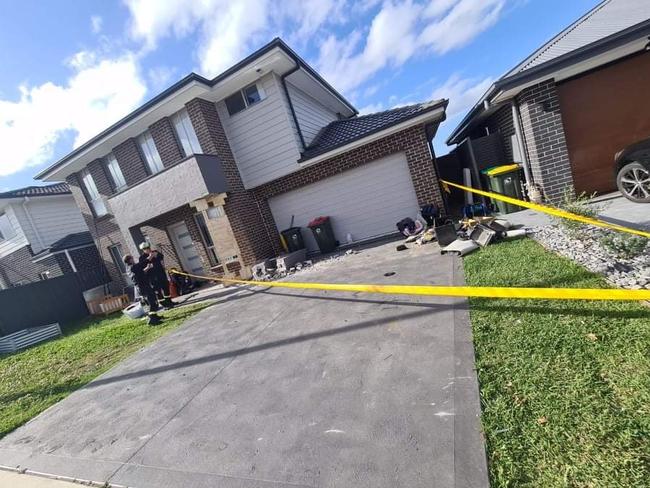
[
  {"x": 130, "y": 161},
  {"x": 166, "y": 143},
  {"x": 247, "y": 210},
  {"x": 412, "y": 141},
  {"x": 541, "y": 119},
  {"x": 243, "y": 208},
  {"x": 104, "y": 230},
  {"x": 18, "y": 268},
  {"x": 501, "y": 122}
]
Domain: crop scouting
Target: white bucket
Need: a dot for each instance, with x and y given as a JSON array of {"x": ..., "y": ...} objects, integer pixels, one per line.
[{"x": 134, "y": 311}]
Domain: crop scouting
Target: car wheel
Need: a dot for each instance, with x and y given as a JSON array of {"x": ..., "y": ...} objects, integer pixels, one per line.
[{"x": 633, "y": 181}]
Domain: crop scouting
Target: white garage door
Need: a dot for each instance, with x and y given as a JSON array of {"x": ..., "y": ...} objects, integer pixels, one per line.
[{"x": 366, "y": 201}]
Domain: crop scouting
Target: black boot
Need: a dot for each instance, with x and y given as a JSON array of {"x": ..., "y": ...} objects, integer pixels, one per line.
[
  {"x": 167, "y": 303},
  {"x": 154, "y": 319}
]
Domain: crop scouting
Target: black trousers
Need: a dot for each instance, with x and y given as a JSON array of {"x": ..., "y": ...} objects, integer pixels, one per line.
[
  {"x": 150, "y": 295},
  {"x": 160, "y": 284}
]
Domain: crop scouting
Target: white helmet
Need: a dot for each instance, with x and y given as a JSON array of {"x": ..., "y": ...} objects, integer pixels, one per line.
[{"x": 145, "y": 245}]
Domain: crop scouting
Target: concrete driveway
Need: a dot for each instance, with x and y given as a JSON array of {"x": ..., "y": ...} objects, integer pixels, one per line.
[{"x": 279, "y": 388}]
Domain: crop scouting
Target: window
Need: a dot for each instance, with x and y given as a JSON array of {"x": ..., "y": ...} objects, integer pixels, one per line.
[
  {"x": 6, "y": 229},
  {"x": 150, "y": 153},
  {"x": 207, "y": 239},
  {"x": 96, "y": 200},
  {"x": 117, "y": 256},
  {"x": 45, "y": 275},
  {"x": 117, "y": 177},
  {"x": 243, "y": 98},
  {"x": 186, "y": 134}
]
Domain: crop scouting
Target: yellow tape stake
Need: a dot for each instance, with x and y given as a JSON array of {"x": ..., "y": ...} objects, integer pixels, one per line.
[
  {"x": 549, "y": 210},
  {"x": 451, "y": 291}
]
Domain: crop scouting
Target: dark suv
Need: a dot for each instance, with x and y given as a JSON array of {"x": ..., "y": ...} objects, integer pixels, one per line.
[{"x": 633, "y": 171}]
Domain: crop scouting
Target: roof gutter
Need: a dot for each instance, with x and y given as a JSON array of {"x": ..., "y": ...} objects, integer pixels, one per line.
[{"x": 291, "y": 109}]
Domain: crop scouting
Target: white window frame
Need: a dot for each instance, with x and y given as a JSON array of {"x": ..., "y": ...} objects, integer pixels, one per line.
[
  {"x": 45, "y": 275},
  {"x": 242, "y": 94},
  {"x": 95, "y": 199},
  {"x": 4, "y": 235},
  {"x": 113, "y": 167},
  {"x": 150, "y": 153},
  {"x": 185, "y": 133}
]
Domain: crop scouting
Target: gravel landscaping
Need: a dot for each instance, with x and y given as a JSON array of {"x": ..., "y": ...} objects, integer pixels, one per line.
[{"x": 584, "y": 246}]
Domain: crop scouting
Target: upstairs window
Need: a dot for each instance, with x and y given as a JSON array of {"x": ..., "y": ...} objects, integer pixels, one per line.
[
  {"x": 96, "y": 200},
  {"x": 185, "y": 132},
  {"x": 6, "y": 229},
  {"x": 119, "y": 183},
  {"x": 243, "y": 98},
  {"x": 150, "y": 153}
]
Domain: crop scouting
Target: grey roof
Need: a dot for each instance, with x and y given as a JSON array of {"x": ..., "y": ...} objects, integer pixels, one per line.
[
  {"x": 607, "y": 18},
  {"x": 38, "y": 191},
  {"x": 72, "y": 240},
  {"x": 342, "y": 132}
]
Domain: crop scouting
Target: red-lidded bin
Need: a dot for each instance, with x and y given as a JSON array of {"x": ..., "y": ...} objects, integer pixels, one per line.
[{"x": 321, "y": 227}]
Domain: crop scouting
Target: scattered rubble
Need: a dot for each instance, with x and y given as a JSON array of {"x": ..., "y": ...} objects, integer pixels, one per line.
[{"x": 632, "y": 273}]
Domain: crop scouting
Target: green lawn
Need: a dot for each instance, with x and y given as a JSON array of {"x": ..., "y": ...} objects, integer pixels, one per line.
[
  {"x": 34, "y": 379},
  {"x": 565, "y": 386}
]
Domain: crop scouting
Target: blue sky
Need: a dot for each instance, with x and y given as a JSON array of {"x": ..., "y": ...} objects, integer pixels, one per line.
[{"x": 69, "y": 68}]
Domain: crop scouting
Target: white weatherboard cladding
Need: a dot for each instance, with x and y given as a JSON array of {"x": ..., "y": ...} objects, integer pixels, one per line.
[
  {"x": 18, "y": 240},
  {"x": 54, "y": 218},
  {"x": 366, "y": 201},
  {"x": 311, "y": 114},
  {"x": 261, "y": 136}
]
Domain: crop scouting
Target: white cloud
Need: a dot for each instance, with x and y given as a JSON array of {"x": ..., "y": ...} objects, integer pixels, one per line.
[
  {"x": 229, "y": 30},
  {"x": 160, "y": 77},
  {"x": 401, "y": 31},
  {"x": 96, "y": 23},
  {"x": 99, "y": 93},
  {"x": 461, "y": 92},
  {"x": 371, "y": 108}
]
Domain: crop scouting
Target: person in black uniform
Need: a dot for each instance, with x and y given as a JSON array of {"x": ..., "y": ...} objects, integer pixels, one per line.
[
  {"x": 138, "y": 274},
  {"x": 157, "y": 274}
]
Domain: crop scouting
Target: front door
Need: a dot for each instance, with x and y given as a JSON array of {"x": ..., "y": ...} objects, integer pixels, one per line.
[{"x": 185, "y": 249}]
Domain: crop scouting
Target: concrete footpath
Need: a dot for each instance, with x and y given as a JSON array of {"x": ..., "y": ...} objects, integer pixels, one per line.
[
  {"x": 285, "y": 388},
  {"x": 17, "y": 480}
]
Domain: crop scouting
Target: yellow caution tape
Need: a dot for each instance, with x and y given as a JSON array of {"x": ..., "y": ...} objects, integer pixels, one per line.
[
  {"x": 548, "y": 210},
  {"x": 449, "y": 291}
]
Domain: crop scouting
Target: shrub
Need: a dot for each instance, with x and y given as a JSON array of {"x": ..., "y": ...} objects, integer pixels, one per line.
[
  {"x": 577, "y": 204},
  {"x": 624, "y": 245}
]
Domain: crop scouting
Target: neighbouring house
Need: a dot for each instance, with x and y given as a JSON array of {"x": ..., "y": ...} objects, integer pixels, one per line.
[
  {"x": 569, "y": 107},
  {"x": 43, "y": 235},
  {"x": 210, "y": 171}
]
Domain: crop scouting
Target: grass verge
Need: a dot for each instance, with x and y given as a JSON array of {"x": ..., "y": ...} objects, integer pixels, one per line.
[
  {"x": 565, "y": 385},
  {"x": 38, "y": 377}
]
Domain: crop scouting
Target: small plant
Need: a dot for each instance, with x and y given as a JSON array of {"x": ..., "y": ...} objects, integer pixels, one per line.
[
  {"x": 577, "y": 204},
  {"x": 624, "y": 245}
]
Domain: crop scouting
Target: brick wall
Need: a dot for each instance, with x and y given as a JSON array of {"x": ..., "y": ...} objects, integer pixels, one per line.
[
  {"x": 545, "y": 141},
  {"x": 501, "y": 121},
  {"x": 156, "y": 231},
  {"x": 412, "y": 141},
  {"x": 90, "y": 266},
  {"x": 166, "y": 143},
  {"x": 130, "y": 160},
  {"x": 18, "y": 267},
  {"x": 243, "y": 208},
  {"x": 104, "y": 230}
]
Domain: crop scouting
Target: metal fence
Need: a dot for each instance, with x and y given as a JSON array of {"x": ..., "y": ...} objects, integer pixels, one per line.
[{"x": 55, "y": 300}]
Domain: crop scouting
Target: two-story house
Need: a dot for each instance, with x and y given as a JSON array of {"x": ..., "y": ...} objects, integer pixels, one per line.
[
  {"x": 211, "y": 170},
  {"x": 43, "y": 235}
]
